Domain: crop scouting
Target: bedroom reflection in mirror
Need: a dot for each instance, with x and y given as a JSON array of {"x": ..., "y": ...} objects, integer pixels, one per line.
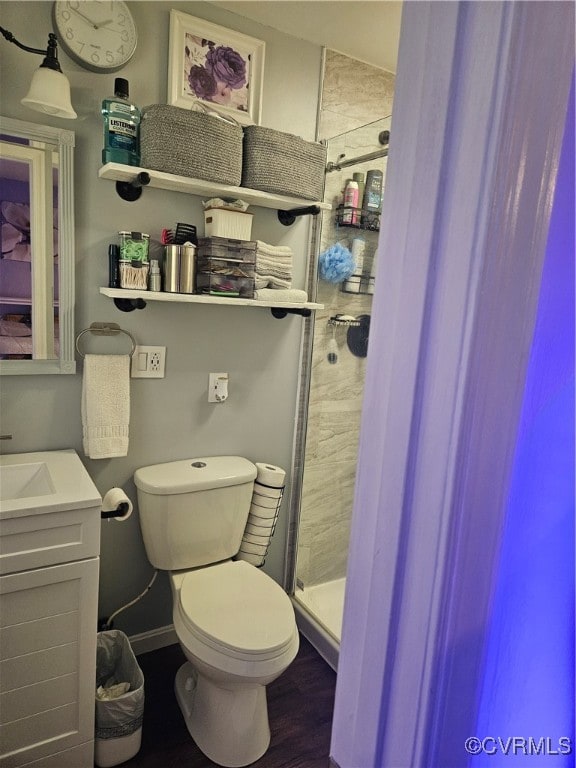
[{"x": 29, "y": 242}]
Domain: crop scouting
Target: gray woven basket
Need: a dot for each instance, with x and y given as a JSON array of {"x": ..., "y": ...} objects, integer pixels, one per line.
[
  {"x": 195, "y": 144},
  {"x": 282, "y": 164}
]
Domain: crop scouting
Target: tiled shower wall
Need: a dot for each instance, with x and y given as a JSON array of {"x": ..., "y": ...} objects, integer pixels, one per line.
[{"x": 355, "y": 94}]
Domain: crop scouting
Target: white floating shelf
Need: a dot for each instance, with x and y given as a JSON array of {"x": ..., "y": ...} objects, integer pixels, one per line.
[
  {"x": 194, "y": 298},
  {"x": 160, "y": 180}
]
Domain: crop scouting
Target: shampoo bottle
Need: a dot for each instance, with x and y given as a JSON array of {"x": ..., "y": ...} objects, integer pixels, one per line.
[
  {"x": 121, "y": 127},
  {"x": 358, "y": 249},
  {"x": 372, "y": 193},
  {"x": 350, "y": 215},
  {"x": 359, "y": 179}
]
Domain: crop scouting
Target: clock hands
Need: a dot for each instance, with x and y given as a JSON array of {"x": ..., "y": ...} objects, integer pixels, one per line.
[
  {"x": 111, "y": 29},
  {"x": 83, "y": 16},
  {"x": 91, "y": 21}
]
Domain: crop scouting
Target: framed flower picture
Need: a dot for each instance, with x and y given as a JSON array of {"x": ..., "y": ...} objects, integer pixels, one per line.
[{"x": 216, "y": 66}]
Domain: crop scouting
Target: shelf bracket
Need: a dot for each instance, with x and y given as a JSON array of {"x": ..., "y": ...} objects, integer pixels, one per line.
[
  {"x": 289, "y": 217},
  {"x": 280, "y": 312},
  {"x": 129, "y": 305},
  {"x": 131, "y": 190}
]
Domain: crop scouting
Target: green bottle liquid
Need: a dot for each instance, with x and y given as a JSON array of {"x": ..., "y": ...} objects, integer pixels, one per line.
[{"x": 121, "y": 127}]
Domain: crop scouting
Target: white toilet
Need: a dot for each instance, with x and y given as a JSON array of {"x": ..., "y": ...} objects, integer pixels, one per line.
[{"x": 236, "y": 626}]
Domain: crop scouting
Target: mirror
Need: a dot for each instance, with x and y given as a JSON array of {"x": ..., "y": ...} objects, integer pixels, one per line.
[{"x": 37, "y": 249}]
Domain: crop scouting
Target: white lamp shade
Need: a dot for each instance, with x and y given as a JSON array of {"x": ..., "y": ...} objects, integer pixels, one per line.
[{"x": 50, "y": 93}]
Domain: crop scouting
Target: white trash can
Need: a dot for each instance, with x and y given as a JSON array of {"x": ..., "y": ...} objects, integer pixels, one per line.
[{"x": 119, "y": 700}]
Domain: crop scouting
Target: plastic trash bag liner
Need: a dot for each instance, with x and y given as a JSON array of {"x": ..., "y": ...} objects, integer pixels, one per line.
[{"x": 115, "y": 664}]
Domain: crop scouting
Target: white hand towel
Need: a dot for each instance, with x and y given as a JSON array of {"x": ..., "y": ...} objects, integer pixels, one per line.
[
  {"x": 279, "y": 250},
  {"x": 272, "y": 281},
  {"x": 264, "y": 266},
  {"x": 105, "y": 405},
  {"x": 279, "y": 294}
]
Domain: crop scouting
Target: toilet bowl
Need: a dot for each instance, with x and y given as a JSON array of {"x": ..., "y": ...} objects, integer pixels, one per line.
[
  {"x": 236, "y": 626},
  {"x": 237, "y": 629}
]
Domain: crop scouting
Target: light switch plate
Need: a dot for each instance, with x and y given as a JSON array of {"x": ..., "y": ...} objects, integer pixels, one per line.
[{"x": 148, "y": 362}]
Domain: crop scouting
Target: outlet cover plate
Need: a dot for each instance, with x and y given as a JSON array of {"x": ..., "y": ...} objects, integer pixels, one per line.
[{"x": 148, "y": 362}]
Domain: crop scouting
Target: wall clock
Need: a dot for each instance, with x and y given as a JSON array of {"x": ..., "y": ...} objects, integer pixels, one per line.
[{"x": 100, "y": 36}]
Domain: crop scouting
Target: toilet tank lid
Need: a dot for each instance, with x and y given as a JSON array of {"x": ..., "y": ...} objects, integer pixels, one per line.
[{"x": 191, "y": 475}]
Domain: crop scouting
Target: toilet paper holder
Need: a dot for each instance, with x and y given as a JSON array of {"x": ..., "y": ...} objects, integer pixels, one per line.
[
  {"x": 261, "y": 524},
  {"x": 116, "y": 505},
  {"x": 120, "y": 511}
]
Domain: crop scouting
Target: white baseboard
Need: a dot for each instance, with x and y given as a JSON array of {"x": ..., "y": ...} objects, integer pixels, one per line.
[
  {"x": 153, "y": 639},
  {"x": 326, "y": 646}
]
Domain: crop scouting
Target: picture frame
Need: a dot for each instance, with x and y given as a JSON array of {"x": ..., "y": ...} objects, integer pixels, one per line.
[{"x": 216, "y": 67}]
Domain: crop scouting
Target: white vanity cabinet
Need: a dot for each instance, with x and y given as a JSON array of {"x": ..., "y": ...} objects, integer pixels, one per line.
[{"x": 49, "y": 560}]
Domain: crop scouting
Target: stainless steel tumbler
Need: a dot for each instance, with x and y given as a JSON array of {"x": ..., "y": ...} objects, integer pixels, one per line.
[
  {"x": 172, "y": 268},
  {"x": 187, "y": 269}
]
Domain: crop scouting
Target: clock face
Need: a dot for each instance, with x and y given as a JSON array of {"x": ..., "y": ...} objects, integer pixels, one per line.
[{"x": 100, "y": 36}]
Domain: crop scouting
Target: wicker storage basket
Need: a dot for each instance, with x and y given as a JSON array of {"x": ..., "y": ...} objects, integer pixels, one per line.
[
  {"x": 187, "y": 143},
  {"x": 282, "y": 164}
]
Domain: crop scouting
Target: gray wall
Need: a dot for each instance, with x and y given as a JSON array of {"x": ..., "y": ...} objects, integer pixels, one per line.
[{"x": 170, "y": 418}]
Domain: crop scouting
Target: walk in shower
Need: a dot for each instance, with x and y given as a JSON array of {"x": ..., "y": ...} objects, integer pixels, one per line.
[{"x": 332, "y": 392}]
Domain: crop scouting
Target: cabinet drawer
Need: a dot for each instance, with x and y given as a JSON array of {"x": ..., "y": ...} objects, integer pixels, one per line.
[{"x": 35, "y": 541}]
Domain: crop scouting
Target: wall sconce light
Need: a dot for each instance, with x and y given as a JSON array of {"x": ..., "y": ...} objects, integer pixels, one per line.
[{"x": 49, "y": 90}]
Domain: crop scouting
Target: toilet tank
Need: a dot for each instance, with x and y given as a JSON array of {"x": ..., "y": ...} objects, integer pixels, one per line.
[{"x": 193, "y": 512}]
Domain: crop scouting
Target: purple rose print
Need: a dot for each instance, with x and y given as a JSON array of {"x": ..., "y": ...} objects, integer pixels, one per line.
[
  {"x": 223, "y": 94},
  {"x": 202, "y": 82},
  {"x": 216, "y": 73},
  {"x": 226, "y": 66}
]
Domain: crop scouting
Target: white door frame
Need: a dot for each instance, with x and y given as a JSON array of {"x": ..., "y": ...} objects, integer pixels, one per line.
[{"x": 479, "y": 113}]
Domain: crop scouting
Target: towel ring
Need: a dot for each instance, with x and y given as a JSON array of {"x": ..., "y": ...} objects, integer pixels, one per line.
[{"x": 104, "y": 329}]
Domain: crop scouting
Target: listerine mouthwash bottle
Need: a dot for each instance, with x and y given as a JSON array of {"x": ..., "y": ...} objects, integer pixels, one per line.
[{"x": 121, "y": 127}]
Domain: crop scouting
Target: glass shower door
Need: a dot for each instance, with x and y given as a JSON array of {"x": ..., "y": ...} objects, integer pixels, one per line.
[{"x": 337, "y": 373}]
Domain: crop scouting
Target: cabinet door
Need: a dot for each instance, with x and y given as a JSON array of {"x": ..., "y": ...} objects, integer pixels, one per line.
[{"x": 48, "y": 620}]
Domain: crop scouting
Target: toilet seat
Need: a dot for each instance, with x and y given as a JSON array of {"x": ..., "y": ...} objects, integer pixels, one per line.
[{"x": 238, "y": 611}]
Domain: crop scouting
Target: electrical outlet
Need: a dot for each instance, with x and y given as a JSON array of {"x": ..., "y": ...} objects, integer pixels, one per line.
[{"x": 148, "y": 362}]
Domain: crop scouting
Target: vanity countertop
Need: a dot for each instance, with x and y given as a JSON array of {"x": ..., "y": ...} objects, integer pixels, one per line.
[{"x": 44, "y": 481}]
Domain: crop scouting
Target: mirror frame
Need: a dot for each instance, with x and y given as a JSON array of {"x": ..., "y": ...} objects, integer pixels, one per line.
[{"x": 64, "y": 140}]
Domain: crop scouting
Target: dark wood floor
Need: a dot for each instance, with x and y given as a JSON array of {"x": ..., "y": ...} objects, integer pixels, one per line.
[{"x": 300, "y": 704}]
